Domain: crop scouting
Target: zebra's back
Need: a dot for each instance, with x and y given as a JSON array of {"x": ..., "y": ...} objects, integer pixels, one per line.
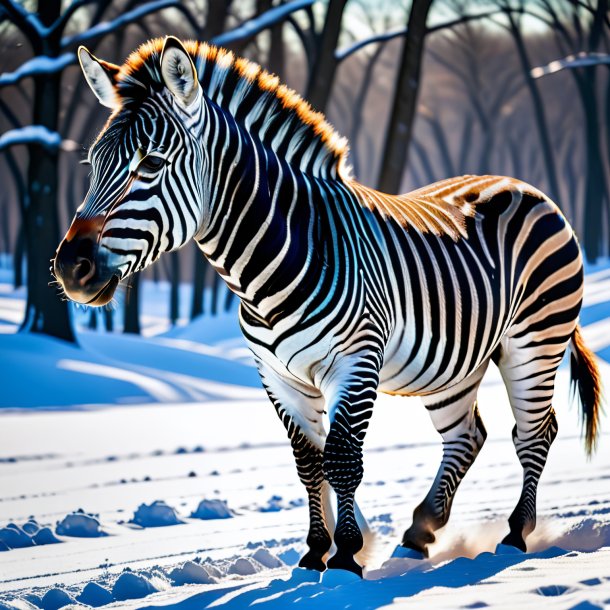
[{"x": 455, "y": 299}]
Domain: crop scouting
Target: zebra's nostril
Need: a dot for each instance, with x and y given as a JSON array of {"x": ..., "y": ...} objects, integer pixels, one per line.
[{"x": 83, "y": 270}]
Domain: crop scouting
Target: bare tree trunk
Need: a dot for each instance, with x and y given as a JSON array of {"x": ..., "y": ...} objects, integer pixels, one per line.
[
  {"x": 358, "y": 118},
  {"x": 131, "y": 320},
  {"x": 18, "y": 255},
  {"x": 400, "y": 127},
  {"x": 218, "y": 11},
  {"x": 276, "y": 60},
  {"x": 45, "y": 312},
  {"x": 174, "y": 292},
  {"x": 199, "y": 266},
  {"x": 322, "y": 74},
  {"x": 538, "y": 104}
]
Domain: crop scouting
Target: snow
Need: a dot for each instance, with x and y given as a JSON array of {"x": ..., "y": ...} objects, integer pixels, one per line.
[
  {"x": 32, "y": 134},
  {"x": 14, "y": 536},
  {"x": 156, "y": 514},
  {"x": 579, "y": 60},
  {"x": 161, "y": 439},
  {"x": 38, "y": 65},
  {"x": 212, "y": 509},
  {"x": 132, "y": 586},
  {"x": 260, "y": 23},
  {"x": 81, "y": 525}
]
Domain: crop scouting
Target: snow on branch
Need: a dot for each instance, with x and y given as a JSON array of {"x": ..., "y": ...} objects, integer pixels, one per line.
[
  {"x": 341, "y": 54},
  {"x": 262, "y": 22},
  {"x": 344, "y": 53},
  {"x": 107, "y": 27},
  {"x": 37, "y": 65},
  {"x": 36, "y": 134},
  {"x": 580, "y": 60}
]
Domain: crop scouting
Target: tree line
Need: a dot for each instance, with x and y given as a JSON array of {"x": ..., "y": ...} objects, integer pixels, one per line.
[{"x": 424, "y": 89}]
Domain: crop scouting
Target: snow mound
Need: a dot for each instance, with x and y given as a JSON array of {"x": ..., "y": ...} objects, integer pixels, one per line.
[
  {"x": 267, "y": 559},
  {"x": 588, "y": 535},
  {"x": 56, "y": 598},
  {"x": 274, "y": 505},
  {"x": 290, "y": 556},
  {"x": 132, "y": 586},
  {"x": 157, "y": 514},
  {"x": 95, "y": 595},
  {"x": 15, "y": 536},
  {"x": 191, "y": 573},
  {"x": 244, "y": 566},
  {"x": 212, "y": 509},
  {"x": 81, "y": 525}
]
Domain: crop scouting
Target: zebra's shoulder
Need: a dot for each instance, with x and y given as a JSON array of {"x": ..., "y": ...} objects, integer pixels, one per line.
[{"x": 442, "y": 208}]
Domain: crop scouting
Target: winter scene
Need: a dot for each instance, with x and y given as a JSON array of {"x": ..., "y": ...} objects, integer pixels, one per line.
[{"x": 304, "y": 303}]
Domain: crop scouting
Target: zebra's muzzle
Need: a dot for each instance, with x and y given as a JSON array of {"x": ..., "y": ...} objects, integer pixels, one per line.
[
  {"x": 81, "y": 268},
  {"x": 105, "y": 295}
]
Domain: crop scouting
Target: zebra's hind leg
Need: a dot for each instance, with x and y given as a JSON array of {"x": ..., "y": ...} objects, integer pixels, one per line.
[
  {"x": 455, "y": 415},
  {"x": 530, "y": 382}
]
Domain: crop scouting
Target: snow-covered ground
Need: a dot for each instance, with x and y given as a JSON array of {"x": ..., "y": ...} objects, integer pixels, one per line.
[{"x": 149, "y": 473}]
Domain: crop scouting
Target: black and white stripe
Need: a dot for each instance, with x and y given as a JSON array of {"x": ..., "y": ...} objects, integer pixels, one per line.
[{"x": 345, "y": 291}]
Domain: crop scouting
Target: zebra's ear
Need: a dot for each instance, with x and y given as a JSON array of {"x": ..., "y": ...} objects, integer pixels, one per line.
[
  {"x": 178, "y": 71},
  {"x": 101, "y": 77}
]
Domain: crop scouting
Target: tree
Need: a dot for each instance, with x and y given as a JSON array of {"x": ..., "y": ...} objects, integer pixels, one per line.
[
  {"x": 396, "y": 150},
  {"x": 44, "y": 30},
  {"x": 585, "y": 25},
  {"x": 322, "y": 73},
  {"x": 54, "y": 50}
]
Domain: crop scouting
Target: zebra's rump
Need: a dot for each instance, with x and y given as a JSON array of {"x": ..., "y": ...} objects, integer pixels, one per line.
[{"x": 517, "y": 265}]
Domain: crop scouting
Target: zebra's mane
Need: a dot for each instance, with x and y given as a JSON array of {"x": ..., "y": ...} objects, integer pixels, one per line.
[
  {"x": 279, "y": 116},
  {"x": 286, "y": 123}
]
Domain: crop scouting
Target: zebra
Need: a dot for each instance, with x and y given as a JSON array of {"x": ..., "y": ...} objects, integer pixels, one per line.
[{"x": 344, "y": 291}]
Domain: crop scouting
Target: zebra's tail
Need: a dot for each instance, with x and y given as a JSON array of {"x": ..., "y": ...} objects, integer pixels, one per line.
[{"x": 586, "y": 384}]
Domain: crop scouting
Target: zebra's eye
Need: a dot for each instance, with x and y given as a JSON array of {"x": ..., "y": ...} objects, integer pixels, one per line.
[{"x": 151, "y": 164}]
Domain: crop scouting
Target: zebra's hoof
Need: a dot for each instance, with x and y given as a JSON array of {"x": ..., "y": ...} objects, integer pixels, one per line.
[
  {"x": 403, "y": 552},
  {"x": 336, "y": 577},
  {"x": 514, "y": 540},
  {"x": 344, "y": 563},
  {"x": 507, "y": 549},
  {"x": 310, "y": 561}
]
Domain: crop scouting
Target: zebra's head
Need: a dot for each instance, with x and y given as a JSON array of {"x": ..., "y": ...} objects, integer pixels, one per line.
[{"x": 146, "y": 181}]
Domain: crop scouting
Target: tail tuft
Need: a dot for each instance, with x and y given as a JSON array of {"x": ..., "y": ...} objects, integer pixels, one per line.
[{"x": 586, "y": 383}]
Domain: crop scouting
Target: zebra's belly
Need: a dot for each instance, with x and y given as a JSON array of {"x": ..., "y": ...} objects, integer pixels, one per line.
[{"x": 430, "y": 365}]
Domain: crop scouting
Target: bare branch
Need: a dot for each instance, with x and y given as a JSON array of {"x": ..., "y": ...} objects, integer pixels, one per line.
[
  {"x": 107, "y": 27},
  {"x": 258, "y": 24},
  {"x": 460, "y": 20},
  {"x": 36, "y": 66},
  {"x": 27, "y": 22},
  {"x": 580, "y": 60},
  {"x": 32, "y": 134},
  {"x": 62, "y": 21},
  {"x": 344, "y": 53}
]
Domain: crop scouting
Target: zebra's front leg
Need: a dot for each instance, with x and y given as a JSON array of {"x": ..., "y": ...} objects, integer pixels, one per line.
[
  {"x": 309, "y": 467},
  {"x": 351, "y": 404},
  {"x": 455, "y": 415},
  {"x": 301, "y": 410}
]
